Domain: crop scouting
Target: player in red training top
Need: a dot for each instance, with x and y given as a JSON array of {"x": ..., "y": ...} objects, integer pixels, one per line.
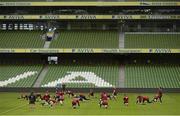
[
  {"x": 139, "y": 99},
  {"x": 142, "y": 99},
  {"x": 104, "y": 96},
  {"x": 46, "y": 97},
  {"x": 61, "y": 97},
  {"x": 104, "y": 100},
  {"x": 103, "y": 103},
  {"x": 75, "y": 102},
  {"x": 52, "y": 102},
  {"x": 156, "y": 97},
  {"x": 126, "y": 100}
]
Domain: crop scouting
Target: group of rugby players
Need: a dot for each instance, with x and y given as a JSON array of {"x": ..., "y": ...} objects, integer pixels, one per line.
[{"x": 47, "y": 100}]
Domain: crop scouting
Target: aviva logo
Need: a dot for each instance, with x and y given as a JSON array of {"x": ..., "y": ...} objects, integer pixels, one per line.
[{"x": 80, "y": 77}]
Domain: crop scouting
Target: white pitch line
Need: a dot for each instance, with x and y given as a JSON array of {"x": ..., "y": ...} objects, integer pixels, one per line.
[{"x": 11, "y": 109}]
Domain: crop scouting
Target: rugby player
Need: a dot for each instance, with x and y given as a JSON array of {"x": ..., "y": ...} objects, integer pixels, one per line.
[
  {"x": 103, "y": 100},
  {"x": 70, "y": 93},
  {"x": 142, "y": 99},
  {"x": 91, "y": 93},
  {"x": 126, "y": 100},
  {"x": 32, "y": 100},
  {"x": 75, "y": 103},
  {"x": 114, "y": 94},
  {"x": 160, "y": 94}
]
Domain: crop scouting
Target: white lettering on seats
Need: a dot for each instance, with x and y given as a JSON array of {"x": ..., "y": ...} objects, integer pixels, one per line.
[
  {"x": 17, "y": 78},
  {"x": 89, "y": 77}
]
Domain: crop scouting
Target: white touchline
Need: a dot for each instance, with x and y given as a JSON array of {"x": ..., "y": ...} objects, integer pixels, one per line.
[{"x": 12, "y": 109}]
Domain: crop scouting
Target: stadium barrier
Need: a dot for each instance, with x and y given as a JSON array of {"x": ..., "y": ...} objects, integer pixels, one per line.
[
  {"x": 92, "y": 17},
  {"x": 98, "y": 3},
  {"x": 87, "y": 50},
  {"x": 86, "y": 90}
]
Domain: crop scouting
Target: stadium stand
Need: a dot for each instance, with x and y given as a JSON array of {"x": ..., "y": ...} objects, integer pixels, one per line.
[
  {"x": 99, "y": 74},
  {"x": 108, "y": 71},
  {"x": 152, "y": 40},
  {"x": 86, "y": 39},
  {"x": 18, "y": 75},
  {"x": 152, "y": 76},
  {"x": 21, "y": 39}
]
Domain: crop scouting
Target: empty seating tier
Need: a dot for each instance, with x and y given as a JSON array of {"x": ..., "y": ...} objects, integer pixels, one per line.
[
  {"x": 18, "y": 75},
  {"x": 84, "y": 75},
  {"x": 152, "y": 76},
  {"x": 21, "y": 39},
  {"x": 152, "y": 40},
  {"x": 86, "y": 39}
]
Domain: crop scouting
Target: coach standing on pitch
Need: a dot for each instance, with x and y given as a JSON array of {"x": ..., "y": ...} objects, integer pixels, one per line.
[
  {"x": 63, "y": 87},
  {"x": 32, "y": 100}
]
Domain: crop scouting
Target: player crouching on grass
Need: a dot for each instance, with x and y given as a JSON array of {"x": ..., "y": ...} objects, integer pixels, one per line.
[
  {"x": 70, "y": 93},
  {"x": 23, "y": 96},
  {"x": 126, "y": 100},
  {"x": 103, "y": 103},
  {"x": 82, "y": 97},
  {"x": 142, "y": 99},
  {"x": 75, "y": 103},
  {"x": 60, "y": 97},
  {"x": 158, "y": 95},
  {"x": 45, "y": 99},
  {"x": 52, "y": 102},
  {"x": 104, "y": 100}
]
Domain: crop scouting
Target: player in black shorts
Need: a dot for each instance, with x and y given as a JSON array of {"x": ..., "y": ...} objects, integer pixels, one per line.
[
  {"x": 32, "y": 99},
  {"x": 70, "y": 93},
  {"x": 114, "y": 94},
  {"x": 91, "y": 93},
  {"x": 23, "y": 96}
]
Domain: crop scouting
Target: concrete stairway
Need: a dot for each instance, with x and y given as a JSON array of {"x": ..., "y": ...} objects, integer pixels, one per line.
[
  {"x": 121, "y": 39},
  {"x": 41, "y": 77},
  {"x": 121, "y": 76},
  {"x": 47, "y": 44}
]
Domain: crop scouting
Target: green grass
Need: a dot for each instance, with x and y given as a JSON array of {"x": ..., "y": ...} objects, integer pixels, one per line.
[{"x": 10, "y": 105}]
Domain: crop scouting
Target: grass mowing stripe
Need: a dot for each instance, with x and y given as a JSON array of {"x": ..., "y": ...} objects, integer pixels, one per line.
[{"x": 12, "y": 109}]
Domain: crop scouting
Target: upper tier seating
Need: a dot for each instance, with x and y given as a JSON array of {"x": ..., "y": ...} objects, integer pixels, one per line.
[
  {"x": 152, "y": 40},
  {"x": 21, "y": 39}
]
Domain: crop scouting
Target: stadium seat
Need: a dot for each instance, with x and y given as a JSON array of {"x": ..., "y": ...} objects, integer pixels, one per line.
[
  {"x": 152, "y": 40},
  {"x": 86, "y": 39}
]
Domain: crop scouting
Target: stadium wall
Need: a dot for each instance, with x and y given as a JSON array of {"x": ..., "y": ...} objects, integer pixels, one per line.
[{"x": 86, "y": 90}]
